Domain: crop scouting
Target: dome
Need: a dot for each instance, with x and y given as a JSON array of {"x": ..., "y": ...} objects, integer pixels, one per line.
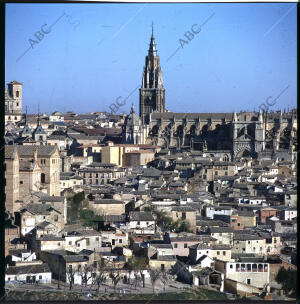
[
  {"x": 57, "y": 113},
  {"x": 133, "y": 119}
]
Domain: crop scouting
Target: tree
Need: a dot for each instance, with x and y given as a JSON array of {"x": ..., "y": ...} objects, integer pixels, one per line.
[
  {"x": 70, "y": 276},
  {"x": 98, "y": 278},
  {"x": 164, "y": 278},
  {"x": 86, "y": 275},
  {"x": 74, "y": 204},
  {"x": 115, "y": 277},
  {"x": 288, "y": 279},
  {"x": 137, "y": 265},
  {"x": 154, "y": 276},
  {"x": 162, "y": 220},
  {"x": 182, "y": 226}
]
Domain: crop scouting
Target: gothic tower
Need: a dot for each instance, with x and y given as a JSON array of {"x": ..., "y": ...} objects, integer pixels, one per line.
[{"x": 152, "y": 92}]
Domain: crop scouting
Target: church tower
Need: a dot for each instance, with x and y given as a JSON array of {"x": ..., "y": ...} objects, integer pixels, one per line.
[{"x": 152, "y": 92}]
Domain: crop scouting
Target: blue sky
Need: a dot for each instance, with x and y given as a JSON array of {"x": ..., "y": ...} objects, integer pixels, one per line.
[{"x": 96, "y": 52}]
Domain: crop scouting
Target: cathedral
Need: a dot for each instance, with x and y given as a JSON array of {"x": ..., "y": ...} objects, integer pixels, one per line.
[{"x": 224, "y": 135}]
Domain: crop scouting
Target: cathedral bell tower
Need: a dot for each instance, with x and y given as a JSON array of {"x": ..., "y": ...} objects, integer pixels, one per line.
[{"x": 152, "y": 92}]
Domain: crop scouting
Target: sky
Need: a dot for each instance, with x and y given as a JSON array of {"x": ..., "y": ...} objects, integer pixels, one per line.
[{"x": 83, "y": 57}]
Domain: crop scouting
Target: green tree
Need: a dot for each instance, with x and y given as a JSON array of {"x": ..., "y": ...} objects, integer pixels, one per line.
[
  {"x": 74, "y": 205},
  {"x": 288, "y": 279},
  {"x": 88, "y": 218},
  {"x": 183, "y": 226}
]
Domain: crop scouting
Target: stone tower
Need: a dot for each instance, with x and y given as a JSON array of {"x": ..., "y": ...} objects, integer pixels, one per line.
[
  {"x": 152, "y": 92},
  {"x": 14, "y": 104}
]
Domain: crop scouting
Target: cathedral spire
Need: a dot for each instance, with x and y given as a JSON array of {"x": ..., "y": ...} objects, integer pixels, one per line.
[
  {"x": 152, "y": 48},
  {"x": 152, "y": 92}
]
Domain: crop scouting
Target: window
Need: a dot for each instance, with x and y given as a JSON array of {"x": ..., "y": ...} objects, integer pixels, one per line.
[
  {"x": 97, "y": 239},
  {"x": 224, "y": 252},
  {"x": 44, "y": 217},
  {"x": 239, "y": 224},
  {"x": 120, "y": 241},
  {"x": 231, "y": 266},
  {"x": 183, "y": 215},
  {"x": 78, "y": 244},
  {"x": 43, "y": 178},
  {"x": 248, "y": 242},
  {"x": 70, "y": 242},
  {"x": 249, "y": 281},
  {"x": 21, "y": 182},
  {"x": 17, "y": 95},
  {"x": 185, "y": 245},
  {"x": 8, "y": 279},
  {"x": 218, "y": 252},
  {"x": 87, "y": 241},
  {"x": 56, "y": 218},
  {"x": 58, "y": 243},
  {"x": 175, "y": 245},
  {"x": 216, "y": 173},
  {"x": 40, "y": 277}
]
